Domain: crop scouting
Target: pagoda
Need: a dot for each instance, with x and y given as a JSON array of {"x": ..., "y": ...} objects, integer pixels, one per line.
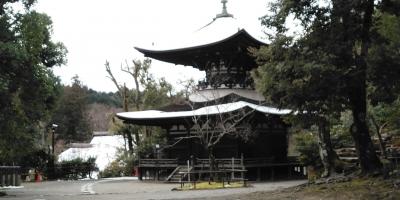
[{"x": 221, "y": 49}]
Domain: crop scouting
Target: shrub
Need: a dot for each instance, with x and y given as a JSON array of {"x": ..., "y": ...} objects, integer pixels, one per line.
[
  {"x": 115, "y": 169},
  {"x": 122, "y": 166},
  {"x": 75, "y": 169},
  {"x": 307, "y": 146}
]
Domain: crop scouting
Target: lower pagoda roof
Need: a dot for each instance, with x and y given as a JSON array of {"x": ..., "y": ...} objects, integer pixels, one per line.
[{"x": 159, "y": 118}]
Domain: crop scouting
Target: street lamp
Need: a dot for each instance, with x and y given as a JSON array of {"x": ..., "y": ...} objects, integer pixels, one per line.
[
  {"x": 53, "y": 128},
  {"x": 158, "y": 151}
]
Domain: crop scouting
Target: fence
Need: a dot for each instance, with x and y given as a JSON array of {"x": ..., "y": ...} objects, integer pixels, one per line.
[{"x": 10, "y": 176}]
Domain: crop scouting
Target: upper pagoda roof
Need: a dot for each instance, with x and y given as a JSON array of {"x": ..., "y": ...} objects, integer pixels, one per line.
[{"x": 223, "y": 34}]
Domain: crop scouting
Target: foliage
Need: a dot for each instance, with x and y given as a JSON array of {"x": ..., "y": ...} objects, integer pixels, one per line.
[
  {"x": 115, "y": 169},
  {"x": 122, "y": 166},
  {"x": 28, "y": 88},
  {"x": 386, "y": 117},
  {"x": 106, "y": 98},
  {"x": 76, "y": 168},
  {"x": 36, "y": 159},
  {"x": 344, "y": 49},
  {"x": 147, "y": 94},
  {"x": 156, "y": 94},
  {"x": 147, "y": 147},
  {"x": 340, "y": 131},
  {"x": 71, "y": 115},
  {"x": 101, "y": 115},
  {"x": 307, "y": 146}
]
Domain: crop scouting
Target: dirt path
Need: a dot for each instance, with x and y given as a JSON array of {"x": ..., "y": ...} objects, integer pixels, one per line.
[{"x": 120, "y": 189}]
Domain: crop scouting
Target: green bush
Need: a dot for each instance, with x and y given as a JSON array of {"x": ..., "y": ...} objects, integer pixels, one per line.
[
  {"x": 307, "y": 146},
  {"x": 75, "y": 169},
  {"x": 122, "y": 166},
  {"x": 115, "y": 169}
]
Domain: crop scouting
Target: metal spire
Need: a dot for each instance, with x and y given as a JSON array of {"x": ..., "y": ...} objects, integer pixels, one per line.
[{"x": 224, "y": 12}]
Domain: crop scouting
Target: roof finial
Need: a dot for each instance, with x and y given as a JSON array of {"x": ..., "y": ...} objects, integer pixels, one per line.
[{"x": 224, "y": 12}]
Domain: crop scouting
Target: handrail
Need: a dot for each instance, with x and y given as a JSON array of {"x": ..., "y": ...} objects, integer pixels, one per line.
[{"x": 173, "y": 173}]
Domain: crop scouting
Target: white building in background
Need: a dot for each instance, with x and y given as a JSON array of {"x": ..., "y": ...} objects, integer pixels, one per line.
[{"x": 103, "y": 147}]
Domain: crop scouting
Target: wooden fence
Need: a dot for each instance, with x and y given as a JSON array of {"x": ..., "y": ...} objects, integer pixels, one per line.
[{"x": 10, "y": 176}]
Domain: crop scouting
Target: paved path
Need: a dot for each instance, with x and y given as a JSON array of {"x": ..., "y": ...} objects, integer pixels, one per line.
[{"x": 121, "y": 189}]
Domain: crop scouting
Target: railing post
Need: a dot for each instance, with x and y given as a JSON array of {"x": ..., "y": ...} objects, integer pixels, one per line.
[
  {"x": 233, "y": 168},
  {"x": 188, "y": 169},
  {"x": 242, "y": 163},
  {"x": 1, "y": 177},
  {"x": 13, "y": 174}
]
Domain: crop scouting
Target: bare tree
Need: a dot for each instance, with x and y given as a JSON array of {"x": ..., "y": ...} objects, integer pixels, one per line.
[
  {"x": 123, "y": 93},
  {"x": 210, "y": 124},
  {"x": 211, "y": 129}
]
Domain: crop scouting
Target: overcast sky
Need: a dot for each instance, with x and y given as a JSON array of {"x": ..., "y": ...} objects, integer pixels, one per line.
[{"x": 97, "y": 30}]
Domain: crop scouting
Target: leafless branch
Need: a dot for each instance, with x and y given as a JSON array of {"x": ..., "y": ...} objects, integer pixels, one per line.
[
  {"x": 179, "y": 139},
  {"x": 111, "y": 76}
]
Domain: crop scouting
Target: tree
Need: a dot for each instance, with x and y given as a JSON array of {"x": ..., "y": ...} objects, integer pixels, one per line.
[
  {"x": 329, "y": 66},
  {"x": 72, "y": 113},
  {"x": 100, "y": 116},
  {"x": 209, "y": 130},
  {"x": 28, "y": 88},
  {"x": 384, "y": 120},
  {"x": 212, "y": 123},
  {"x": 148, "y": 93}
]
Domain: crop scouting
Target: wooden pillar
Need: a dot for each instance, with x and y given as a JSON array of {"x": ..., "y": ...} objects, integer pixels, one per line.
[
  {"x": 258, "y": 173},
  {"x": 168, "y": 130},
  {"x": 242, "y": 163},
  {"x": 272, "y": 173},
  {"x": 157, "y": 175},
  {"x": 140, "y": 174},
  {"x": 189, "y": 142}
]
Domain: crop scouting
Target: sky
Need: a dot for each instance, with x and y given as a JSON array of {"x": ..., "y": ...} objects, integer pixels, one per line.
[{"x": 96, "y": 30}]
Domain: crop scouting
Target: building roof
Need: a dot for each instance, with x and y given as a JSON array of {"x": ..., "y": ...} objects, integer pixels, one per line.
[
  {"x": 214, "y": 94},
  {"x": 103, "y": 148},
  {"x": 157, "y": 117},
  {"x": 223, "y": 35}
]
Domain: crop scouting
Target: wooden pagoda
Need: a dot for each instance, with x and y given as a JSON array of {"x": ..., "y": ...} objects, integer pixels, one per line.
[{"x": 227, "y": 89}]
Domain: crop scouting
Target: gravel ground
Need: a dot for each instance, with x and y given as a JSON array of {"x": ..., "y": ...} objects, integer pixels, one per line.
[{"x": 128, "y": 189}]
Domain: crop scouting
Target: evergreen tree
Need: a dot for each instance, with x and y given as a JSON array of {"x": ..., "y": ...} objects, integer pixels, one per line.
[
  {"x": 72, "y": 113},
  {"x": 28, "y": 88},
  {"x": 342, "y": 51}
]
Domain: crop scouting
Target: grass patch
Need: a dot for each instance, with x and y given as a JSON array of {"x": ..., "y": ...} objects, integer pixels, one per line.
[
  {"x": 210, "y": 185},
  {"x": 356, "y": 189}
]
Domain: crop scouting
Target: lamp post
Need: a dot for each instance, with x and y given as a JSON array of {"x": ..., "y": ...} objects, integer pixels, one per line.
[
  {"x": 53, "y": 140},
  {"x": 157, "y": 151}
]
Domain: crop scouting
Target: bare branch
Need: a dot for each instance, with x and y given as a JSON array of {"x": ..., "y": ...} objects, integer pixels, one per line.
[
  {"x": 111, "y": 76},
  {"x": 179, "y": 139}
]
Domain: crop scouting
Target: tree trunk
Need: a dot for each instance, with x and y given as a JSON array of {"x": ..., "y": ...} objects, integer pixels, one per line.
[
  {"x": 326, "y": 152},
  {"x": 130, "y": 140},
  {"x": 128, "y": 133},
  {"x": 211, "y": 159},
  {"x": 379, "y": 130},
  {"x": 369, "y": 161}
]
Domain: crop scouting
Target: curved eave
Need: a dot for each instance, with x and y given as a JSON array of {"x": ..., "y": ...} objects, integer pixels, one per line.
[
  {"x": 156, "y": 121},
  {"x": 180, "y": 55},
  {"x": 160, "y": 118}
]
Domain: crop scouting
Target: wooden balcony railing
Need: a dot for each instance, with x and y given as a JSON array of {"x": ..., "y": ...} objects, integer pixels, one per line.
[
  {"x": 221, "y": 163},
  {"x": 158, "y": 163}
]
